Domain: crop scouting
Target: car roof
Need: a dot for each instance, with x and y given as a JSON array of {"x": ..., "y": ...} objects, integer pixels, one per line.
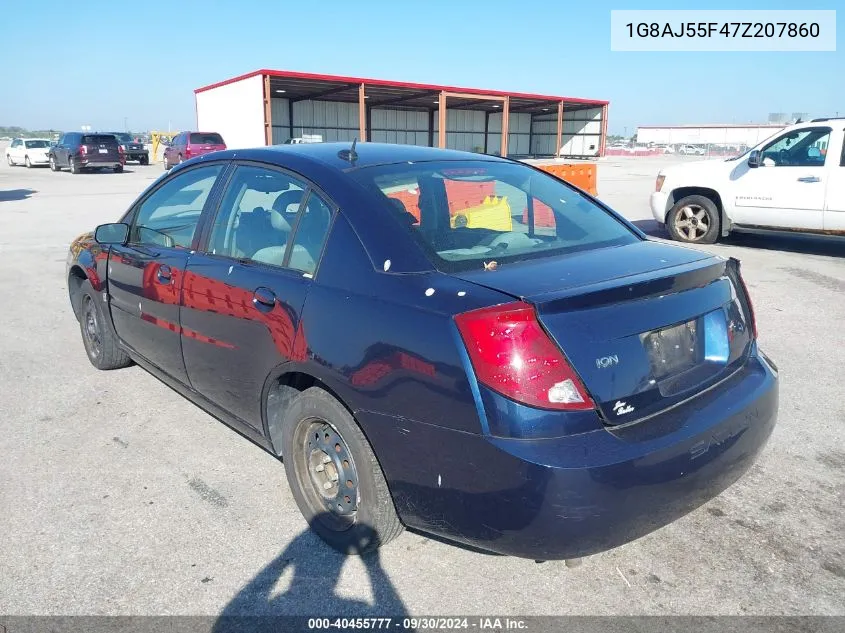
[{"x": 368, "y": 154}]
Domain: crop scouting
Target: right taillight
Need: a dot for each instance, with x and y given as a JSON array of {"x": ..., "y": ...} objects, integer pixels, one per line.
[{"x": 512, "y": 354}]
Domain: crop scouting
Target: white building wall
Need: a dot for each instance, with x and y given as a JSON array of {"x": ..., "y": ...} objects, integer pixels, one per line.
[
  {"x": 235, "y": 111},
  {"x": 725, "y": 135}
]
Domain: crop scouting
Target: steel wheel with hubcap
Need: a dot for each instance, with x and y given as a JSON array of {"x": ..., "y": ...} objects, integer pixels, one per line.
[
  {"x": 90, "y": 323},
  {"x": 99, "y": 339},
  {"x": 334, "y": 475},
  {"x": 694, "y": 219}
]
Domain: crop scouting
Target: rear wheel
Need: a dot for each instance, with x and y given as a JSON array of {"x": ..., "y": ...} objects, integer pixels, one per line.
[
  {"x": 74, "y": 166},
  {"x": 695, "y": 220},
  {"x": 334, "y": 475},
  {"x": 118, "y": 169},
  {"x": 98, "y": 338},
  {"x": 27, "y": 162}
]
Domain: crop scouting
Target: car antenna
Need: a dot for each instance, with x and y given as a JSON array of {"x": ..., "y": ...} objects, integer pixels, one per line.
[{"x": 349, "y": 154}]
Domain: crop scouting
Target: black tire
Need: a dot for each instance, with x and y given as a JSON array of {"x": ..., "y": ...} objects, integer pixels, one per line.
[
  {"x": 180, "y": 160},
  {"x": 27, "y": 162},
  {"x": 9, "y": 160},
  {"x": 356, "y": 515},
  {"x": 166, "y": 164},
  {"x": 694, "y": 220},
  {"x": 54, "y": 166},
  {"x": 118, "y": 169},
  {"x": 74, "y": 166},
  {"x": 145, "y": 160},
  {"x": 98, "y": 338}
]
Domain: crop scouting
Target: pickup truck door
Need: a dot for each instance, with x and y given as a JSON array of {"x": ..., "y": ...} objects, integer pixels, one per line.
[
  {"x": 788, "y": 190},
  {"x": 834, "y": 213},
  {"x": 145, "y": 275}
]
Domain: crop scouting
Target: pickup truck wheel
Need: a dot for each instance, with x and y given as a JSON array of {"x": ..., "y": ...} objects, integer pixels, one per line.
[
  {"x": 695, "y": 220},
  {"x": 145, "y": 160},
  {"x": 334, "y": 475},
  {"x": 74, "y": 166},
  {"x": 98, "y": 338}
]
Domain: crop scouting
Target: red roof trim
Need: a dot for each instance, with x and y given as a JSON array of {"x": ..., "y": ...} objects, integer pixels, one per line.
[{"x": 399, "y": 84}]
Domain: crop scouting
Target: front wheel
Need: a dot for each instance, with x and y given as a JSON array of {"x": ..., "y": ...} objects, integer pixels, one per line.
[
  {"x": 695, "y": 220},
  {"x": 98, "y": 338},
  {"x": 166, "y": 163},
  {"x": 27, "y": 162},
  {"x": 53, "y": 164},
  {"x": 334, "y": 475},
  {"x": 9, "y": 160}
]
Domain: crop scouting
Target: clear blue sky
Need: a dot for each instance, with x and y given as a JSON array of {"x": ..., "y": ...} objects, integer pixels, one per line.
[{"x": 66, "y": 64}]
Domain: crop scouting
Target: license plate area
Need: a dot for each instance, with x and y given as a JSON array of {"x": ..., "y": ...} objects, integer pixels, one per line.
[
  {"x": 672, "y": 350},
  {"x": 103, "y": 150}
]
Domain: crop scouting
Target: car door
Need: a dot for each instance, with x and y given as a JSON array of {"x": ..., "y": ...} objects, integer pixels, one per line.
[
  {"x": 65, "y": 148},
  {"x": 145, "y": 275},
  {"x": 244, "y": 292},
  {"x": 834, "y": 213},
  {"x": 788, "y": 189},
  {"x": 15, "y": 150}
]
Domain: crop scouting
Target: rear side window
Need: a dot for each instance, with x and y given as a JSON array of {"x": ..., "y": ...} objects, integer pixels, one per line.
[
  {"x": 467, "y": 213},
  {"x": 198, "y": 138},
  {"x": 37, "y": 144},
  {"x": 98, "y": 139}
]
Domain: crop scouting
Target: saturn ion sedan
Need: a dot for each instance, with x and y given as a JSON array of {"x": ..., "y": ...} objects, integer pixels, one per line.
[{"x": 455, "y": 343}]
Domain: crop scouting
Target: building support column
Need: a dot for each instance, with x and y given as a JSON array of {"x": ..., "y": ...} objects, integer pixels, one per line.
[
  {"x": 486, "y": 128},
  {"x": 559, "y": 139},
  {"x": 441, "y": 121},
  {"x": 268, "y": 112},
  {"x": 506, "y": 114},
  {"x": 603, "y": 139},
  {"x": 362, "y": 114},
  {"x": 431, "y": 128}
]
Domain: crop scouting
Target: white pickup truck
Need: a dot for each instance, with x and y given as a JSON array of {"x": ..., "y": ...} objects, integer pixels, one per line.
[{"x": 793, "y": 181}]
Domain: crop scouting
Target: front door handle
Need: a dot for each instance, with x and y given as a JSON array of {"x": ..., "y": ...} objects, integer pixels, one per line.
[
  {"x": 164, "y": 274},
  {"x": 809, "y": 179},
  {"x": 264, "y": 298}
]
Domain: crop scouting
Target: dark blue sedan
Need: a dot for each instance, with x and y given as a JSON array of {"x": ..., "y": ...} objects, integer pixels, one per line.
[{"x": 450, "y": 342}]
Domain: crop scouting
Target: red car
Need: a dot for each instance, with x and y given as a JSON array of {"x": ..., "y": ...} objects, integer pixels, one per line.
[{"x": 190, "y": 144}]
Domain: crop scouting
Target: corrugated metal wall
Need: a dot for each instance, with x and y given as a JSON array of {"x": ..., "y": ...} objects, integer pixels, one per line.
[
  {"x": 581, "y": 133},
  {"x": 336, "y": 121}
]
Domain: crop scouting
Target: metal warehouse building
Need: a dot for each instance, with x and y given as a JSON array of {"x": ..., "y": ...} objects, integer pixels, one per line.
[
  {"x": 268, "y": 107},
  {"x": 710, "y": 134}
]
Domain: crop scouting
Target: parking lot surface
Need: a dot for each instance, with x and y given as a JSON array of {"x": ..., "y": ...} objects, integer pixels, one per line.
[{"x": 120, "y": 497}]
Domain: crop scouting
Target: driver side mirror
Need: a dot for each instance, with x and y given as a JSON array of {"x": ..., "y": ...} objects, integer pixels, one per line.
[
  {"x": 755, "y": 159},
  {"x": 115, "y": 233}
]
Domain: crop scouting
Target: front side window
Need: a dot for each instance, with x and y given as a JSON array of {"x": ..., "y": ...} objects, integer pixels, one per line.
[
  {"x": 467, "y": 213},
  {"x": 257, "y": 216},
  {"x": 170, "y": 215},
  {"x": 801, "y": 148}
]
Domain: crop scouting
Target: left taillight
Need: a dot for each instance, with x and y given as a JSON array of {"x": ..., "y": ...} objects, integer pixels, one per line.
[{"x": 512, "y": 354}]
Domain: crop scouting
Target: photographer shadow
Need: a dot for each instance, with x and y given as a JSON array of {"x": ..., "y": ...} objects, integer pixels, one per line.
[{"x": 315, "y": 569}]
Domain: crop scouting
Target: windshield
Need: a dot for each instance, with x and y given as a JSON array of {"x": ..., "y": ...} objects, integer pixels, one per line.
[
  {"x": 37, "y": 144},
  {"x": 125, "y": 138},
  {"x": 98, "y": 139},
  {"x": 467, "y": 213},
  {"x": 206, "y": 139}
]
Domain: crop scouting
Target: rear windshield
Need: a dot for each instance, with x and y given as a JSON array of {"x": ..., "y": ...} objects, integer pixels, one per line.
[
  {"x": 206, "y": 139},
  {"x": 37, "y": 144},
  {"x": 98, "y": 139},
  {"x": 467, "y": 213}
]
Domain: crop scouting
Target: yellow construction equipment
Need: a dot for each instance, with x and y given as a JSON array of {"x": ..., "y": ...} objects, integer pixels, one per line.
[
  {"x": 493, "y": 213},
  {"x": 158, "y": 140}
]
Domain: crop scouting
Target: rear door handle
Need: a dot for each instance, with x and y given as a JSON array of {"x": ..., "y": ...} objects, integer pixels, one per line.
[
  {"x": 264, "y": 298},
  {"x": 164, "y": 274},
  {"x": 809, "y": 179}
]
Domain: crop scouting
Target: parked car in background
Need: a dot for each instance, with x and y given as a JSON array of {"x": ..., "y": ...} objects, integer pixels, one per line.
[
  {"x": 693, "y": 150},
  {"x": 80, "y": 151},
  {"x": 790, "y": 182},
  {"x": 187, "y": 145},
  {"x": 132, "y": 149},
  {"x": 544, "y": 389},
  {"x": 28, "y": 151}
]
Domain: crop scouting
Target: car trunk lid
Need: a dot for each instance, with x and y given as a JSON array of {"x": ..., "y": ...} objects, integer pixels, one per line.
[{"x": 646, "y": 325}]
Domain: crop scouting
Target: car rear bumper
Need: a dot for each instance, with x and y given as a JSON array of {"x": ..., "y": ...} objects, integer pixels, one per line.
[
  {"x": 658, "y": 201},
  {"x": 100, "y": 164},
  {"x": 581, "y": 494}
]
